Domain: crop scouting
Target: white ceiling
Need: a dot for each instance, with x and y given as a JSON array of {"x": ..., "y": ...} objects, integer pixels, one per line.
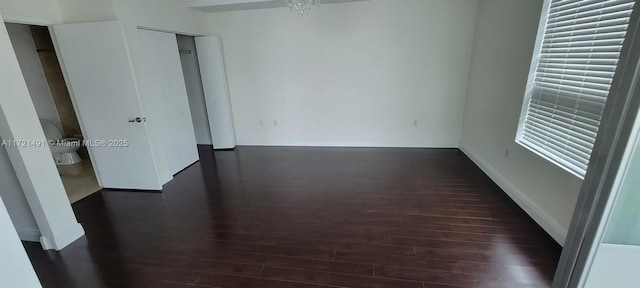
[{"x": 234, "y": 5}]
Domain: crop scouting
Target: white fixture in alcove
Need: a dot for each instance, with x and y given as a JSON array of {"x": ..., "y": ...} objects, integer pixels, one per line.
[{"x": 64, "y": 150}]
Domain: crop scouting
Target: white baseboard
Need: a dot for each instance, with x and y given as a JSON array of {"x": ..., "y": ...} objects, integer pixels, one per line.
[
  {"x": 351, "y": 144},
  {"x": 555, "y": 230},
  {"x": 61, "y": 240},
  {"x": 28, "y": 234}
]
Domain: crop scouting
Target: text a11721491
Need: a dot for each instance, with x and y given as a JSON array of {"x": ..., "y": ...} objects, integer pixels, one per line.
[{"x": 44, "y": 143}]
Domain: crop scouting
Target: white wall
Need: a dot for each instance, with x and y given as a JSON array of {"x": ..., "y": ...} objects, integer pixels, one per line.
[
  {"x": 16, "y": 202},
  {"x": 33, "y": 74},
  {"x": 15, "y": 267},
  {"x": 350, "y": 74},
  {"x": 505, "y": 36},
  {"x": 191, "y": 71},
  {"x": 77, "y": 11}
]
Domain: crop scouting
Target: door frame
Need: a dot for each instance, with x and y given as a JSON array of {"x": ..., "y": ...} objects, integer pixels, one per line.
[
  {"x": 56, "y": 48},
  {"x": 607, "y": 166},
  {"x": 54, "y": 218},
  {"x": 168, "y": 31}
]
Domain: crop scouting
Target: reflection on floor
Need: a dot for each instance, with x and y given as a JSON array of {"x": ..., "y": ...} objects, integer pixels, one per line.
[{"x": 79, "y": 180}]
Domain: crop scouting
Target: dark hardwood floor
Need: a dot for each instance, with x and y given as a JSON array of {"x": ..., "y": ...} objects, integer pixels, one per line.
[{"x": 307, "y": 217}]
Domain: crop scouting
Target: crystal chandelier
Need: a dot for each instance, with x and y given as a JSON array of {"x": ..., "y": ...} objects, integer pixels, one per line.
[{"x": 302, "y": 7}]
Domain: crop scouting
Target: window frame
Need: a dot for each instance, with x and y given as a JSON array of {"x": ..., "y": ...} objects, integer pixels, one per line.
[{"x": 564, "y": 165}]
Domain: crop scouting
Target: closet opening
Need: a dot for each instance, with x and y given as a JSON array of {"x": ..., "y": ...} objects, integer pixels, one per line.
[{"x": 195, "y": 92}]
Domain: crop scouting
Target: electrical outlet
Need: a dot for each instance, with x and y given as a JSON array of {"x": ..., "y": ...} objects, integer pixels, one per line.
[{"x": 415, "y": 122}]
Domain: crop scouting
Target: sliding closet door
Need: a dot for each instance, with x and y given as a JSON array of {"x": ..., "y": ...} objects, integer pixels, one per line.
[
  {"x": 99, "y": 72},
  {"x": 165, "y": 98},
  {"x": 215, "y": 92}
]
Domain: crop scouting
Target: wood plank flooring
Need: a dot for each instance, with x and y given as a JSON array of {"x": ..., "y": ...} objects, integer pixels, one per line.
[{"x": 264, "y": 217}]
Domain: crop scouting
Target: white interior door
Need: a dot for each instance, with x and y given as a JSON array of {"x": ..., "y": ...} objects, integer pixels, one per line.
[
  {"x": 216, "y": 94},
  {"x": 165, "y": 94},
  {"x": 99, "y": 72}
]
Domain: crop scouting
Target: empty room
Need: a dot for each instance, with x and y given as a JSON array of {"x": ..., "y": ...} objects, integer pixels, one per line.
[{"x": 319, "y": 143}]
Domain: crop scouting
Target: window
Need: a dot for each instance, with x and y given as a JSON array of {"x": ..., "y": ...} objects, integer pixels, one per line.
[{"x": 575, "y": 59}]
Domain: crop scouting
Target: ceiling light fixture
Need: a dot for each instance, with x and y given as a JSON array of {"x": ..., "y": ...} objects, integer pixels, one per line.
[{"x": 302, "y": 7}]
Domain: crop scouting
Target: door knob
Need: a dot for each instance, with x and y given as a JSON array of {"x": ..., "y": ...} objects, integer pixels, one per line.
[{"x": 138, "y": 119}]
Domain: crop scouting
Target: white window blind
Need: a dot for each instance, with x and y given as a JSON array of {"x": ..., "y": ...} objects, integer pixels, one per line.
[{"x": 577, "y": 55}]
